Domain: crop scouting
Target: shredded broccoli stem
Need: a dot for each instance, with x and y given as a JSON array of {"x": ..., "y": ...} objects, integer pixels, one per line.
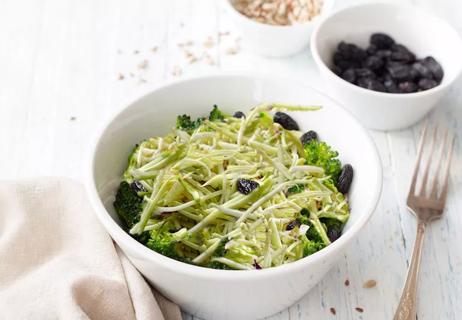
[{"x": 193, "y": 208}]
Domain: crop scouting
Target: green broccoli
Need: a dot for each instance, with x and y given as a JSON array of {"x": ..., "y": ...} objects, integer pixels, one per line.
[
  {"x": 296, "y": 188},
  {"x": 127, "y": 204},
  {"x": 304, "y": 217},
  {"x": 218, "y": 265},
  {"x": 310, "y": 247},
  {"x": 318, "y": 153},
  {"x": 216, "y": 114},
  {"x": 165, "y": 244},
  {"x": 185, "y": 123},
  {"x": 162, "y": 243},
  {"x": 143, "y": 237},
  {"x": 312, "y": 233},
  {"x": 220, "y": 251}
]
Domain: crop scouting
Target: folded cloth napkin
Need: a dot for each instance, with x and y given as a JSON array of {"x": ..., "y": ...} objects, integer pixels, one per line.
[{"x": 57, "y": 262}]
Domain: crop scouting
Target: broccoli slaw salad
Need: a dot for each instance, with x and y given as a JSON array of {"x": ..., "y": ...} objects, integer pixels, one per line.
[{"x": 235, "y": 192}]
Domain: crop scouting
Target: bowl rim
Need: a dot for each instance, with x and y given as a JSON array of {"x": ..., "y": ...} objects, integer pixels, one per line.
[
  {"x": 118, "y": 234},
  {"x": 417, "y": 10},
  {"x": 327, "y": 4}
]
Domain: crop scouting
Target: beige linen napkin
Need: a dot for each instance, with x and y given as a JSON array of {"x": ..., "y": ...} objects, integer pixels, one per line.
[{"x": 57, "y": 262}]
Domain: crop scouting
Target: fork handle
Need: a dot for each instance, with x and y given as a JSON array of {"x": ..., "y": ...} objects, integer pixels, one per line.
[{"x": 407, "y": 305}]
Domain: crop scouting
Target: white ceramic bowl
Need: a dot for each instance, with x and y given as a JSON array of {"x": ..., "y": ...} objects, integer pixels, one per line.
[
  {"x": 224, "y": 294},
  {"x": 275, "y": 41},
  {"x": 421, "y": 32}
]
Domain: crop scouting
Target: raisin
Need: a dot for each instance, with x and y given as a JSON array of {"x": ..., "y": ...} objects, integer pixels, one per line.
[
  {"x": 349, "y": 75},
  {"x": 364, "y": 73},
  {"x": 391, "y": 86},
  {"x": 351, "y": 51},
  {"x": 334, "y": 231},
  {"x": 137, "y": 186},
  {"x": 371, "y": 84},
  {"x": 308, "y": 136},
  {"x": 400, "y": 72},
  {"x": 294, "y": 223},
  {"x": 256, "y": 265},
  {"x": 373, "y": 63},
  {"x": 371, "y": 49},
  {"x": 407, "y": 87},
  {"x": 383, "y": 54},
  {"x": 285, "y": 121},
  {"x": 345, "y": 179},
  {"x": 422, "y": 70},
  {"x": 434, "y": 67},
  {"x": 337, "y": 70},
  {"x": 402, "y": 54},
  {"x": 344, "y": 63},
  {"x": 239, "y": 114},
  {"x": 382, "y": 40},
  {"x": 426, "y": 84},
  {"x": 245, "y": 186}
]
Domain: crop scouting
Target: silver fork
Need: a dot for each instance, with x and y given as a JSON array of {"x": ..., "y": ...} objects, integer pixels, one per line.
[{"x": 427, "y": 205}]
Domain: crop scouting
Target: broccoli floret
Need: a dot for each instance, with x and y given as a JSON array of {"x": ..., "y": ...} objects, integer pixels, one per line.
[
  {"x": 127, "y": 204},
  {"x": 164, "y": 244},
  {"x": 312, "y": 234},
  {"x": 310, "y": 247},
  {"x": 216, "y": 114},
  {"x": 185, "y": 123},
  {"x": 318, "y": 153},
  {"x": 220, "y": 250},
  {"x": 143, "y": 237},
  {"x": 304, "y": 217},
  {"x": 218, "y": 265},
  {"x": 296, "y": 188}
]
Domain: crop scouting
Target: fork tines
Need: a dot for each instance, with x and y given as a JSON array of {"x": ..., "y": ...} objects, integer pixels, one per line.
[{"x": 429, "y": 140}]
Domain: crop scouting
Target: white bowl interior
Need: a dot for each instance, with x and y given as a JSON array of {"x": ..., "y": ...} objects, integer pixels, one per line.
[
  {"x": 422, "y": 33},
  {"x": 155, "y": 114}
]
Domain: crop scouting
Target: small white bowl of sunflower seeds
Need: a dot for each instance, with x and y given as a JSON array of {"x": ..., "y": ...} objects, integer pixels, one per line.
[{"x": 277, "y": 28}]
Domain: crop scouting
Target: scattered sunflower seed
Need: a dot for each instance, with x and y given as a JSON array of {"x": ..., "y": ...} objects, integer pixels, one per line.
[
  {"x": 143, "y": 64},
  {"x": 369, "y": 284},
  {"x": 209, "y": 60},
  {"x": 176, "y": 72},
  {"x": 333, "y": 311},
  {"x": 347, "y": 282},
  {"x": 232, "y": 50},
  {"x": 360, "y": 310},
  {"x": 208, "y": 43}
]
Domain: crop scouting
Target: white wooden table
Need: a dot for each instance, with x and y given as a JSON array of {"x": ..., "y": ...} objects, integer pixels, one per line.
[{"x": 60, "y": 62}]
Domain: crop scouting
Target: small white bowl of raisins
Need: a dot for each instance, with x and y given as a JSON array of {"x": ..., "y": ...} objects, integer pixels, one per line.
[{"x": 388, "y": 64}]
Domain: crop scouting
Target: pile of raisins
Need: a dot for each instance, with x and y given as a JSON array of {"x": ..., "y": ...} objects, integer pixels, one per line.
[{"x": 386, "y": 66}]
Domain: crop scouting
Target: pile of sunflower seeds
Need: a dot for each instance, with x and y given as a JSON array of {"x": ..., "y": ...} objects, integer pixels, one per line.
[{"x": 279, "y": 12}]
